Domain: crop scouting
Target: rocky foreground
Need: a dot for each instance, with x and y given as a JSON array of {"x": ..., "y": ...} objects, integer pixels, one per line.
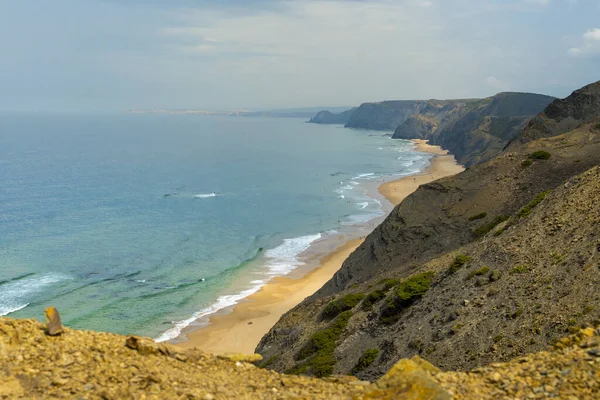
[{"x": 95, "y": 365}]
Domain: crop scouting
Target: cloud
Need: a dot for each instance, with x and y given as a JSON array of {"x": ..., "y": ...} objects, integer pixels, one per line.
[
  {"x": 289, "y": 53},
  {"x": 425, "y": 3},
  {"x": 590, "y": 45}
]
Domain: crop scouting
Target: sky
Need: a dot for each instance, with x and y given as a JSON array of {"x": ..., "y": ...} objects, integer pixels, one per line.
[{"x": 266, "y": 54}]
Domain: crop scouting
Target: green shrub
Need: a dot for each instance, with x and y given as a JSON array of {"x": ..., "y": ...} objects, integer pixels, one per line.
[
  {"x": 322, "y": 344},
  {"x": 539, "y": 155},
  {"x": 478, "y": 216},
  {"x": 479, "y": 272},
  {"x": 269, "y": 361},
  {"x": 456, "y": 328},
  {"x": 526, "y": 163},
  {"x": 597, "y": 126},
  {"x": 297, "y": 369},
  {"x": 486, "y": 228},
  {"x": 347, "y": 302},
  {"x": 523, "y": 212},
  {"x": 365, "y": 360},
  {"x": 459, "y": 261},
  {"x": 388, "y": 283},
  {"x": 519, "y": 269},
  {"x": 406, "y": 293},
  {"x": 495, "y": 275},
  {"x": 372, "y": 298}
]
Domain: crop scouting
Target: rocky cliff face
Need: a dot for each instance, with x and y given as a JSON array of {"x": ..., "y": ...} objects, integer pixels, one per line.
[
  {"x": 327, "y": 117},
  {"x": 476, "y": 131},
  {"x": 388, "y": 115},
  {"x": 495, "y": 262},
  {"x": 473, "y": 130},
  {"x": 562, "y": 115}
]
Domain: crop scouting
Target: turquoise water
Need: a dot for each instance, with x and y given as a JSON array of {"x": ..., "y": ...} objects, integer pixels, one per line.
[{"x": 141, "y": 223}]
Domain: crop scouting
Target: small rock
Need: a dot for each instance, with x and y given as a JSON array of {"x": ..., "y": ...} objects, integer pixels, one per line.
[
  {"x": 59, "y": 382},
  {"x": 208, "y": 396},
  {"x": 496, "y": 377},
  {"x": 53, "y": 323},
  {"x": 594, "y": 352}
]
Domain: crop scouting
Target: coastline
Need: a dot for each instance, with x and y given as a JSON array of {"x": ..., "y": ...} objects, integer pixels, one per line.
[{"x": 240, "y": 328}]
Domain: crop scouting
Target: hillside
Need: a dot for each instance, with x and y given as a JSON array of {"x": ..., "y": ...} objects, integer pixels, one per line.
[
  {"x": 95, "y": 365},
  {"x": 498, "y": 261},
  {"x": 327, "y": 117},
  {"x": 478, "y": 130},
  {"x": 474, "y": 130},
  {"x": 388, "y": 115}
]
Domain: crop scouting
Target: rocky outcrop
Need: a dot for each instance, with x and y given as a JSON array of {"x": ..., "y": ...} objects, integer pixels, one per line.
[
  {"x": 563, "y": 115},
  {"x": 327, "y": 117},
  {"x": 465, "y": 271},
  {"x": 95, "y": 365}
]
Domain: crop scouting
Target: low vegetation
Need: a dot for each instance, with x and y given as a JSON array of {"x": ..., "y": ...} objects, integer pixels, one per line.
[
  {"x": 495, "y": 275},
  {"x": 269, "y": 361},
  {"x": 365, "y": 360},
  {"x": 526, "y": 163},
  {"x": 523, "y": 212},
  {"x": 345, "y": 303},
  {"x": 459, "y": 261},
  {"x": 388, "y": 283},
  {"x": 539, "y": 155},
  {"x": 478, "y": 216},
  {"x": 406, "y": 293},
  {"x": 519, "y": 269},
  {"x": 322, "y": 345},
  {"x": 479, "y": 272},
  {"x": 486, "y": 228},
  {"x": 372, "y": 298}
]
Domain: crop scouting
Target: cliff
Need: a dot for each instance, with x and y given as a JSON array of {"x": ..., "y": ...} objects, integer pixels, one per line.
[
  {"x": 95, "y": 365},
  {"x": 327, "y": 117},
  {"x": 476, "y": 131},
  {"x": 388, "y": 115},
  {"x": 498, "y": 261},
  {"x": 563, "y": 115}
]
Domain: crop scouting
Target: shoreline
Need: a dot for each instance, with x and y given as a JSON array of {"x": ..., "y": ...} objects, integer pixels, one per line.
[{"x": 238, "y": 329}]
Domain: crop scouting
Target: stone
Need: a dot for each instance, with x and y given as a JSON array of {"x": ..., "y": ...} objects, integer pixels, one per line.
[
  {"x": 408, "y": 379},
  {"x": 54, "y": 325}
]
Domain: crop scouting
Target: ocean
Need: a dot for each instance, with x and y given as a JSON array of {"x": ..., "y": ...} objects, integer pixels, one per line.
[{"x": 143, "y": 223}]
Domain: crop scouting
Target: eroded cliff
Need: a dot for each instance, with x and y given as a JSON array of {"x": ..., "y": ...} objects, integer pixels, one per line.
[{"x": 498, "y": 261}]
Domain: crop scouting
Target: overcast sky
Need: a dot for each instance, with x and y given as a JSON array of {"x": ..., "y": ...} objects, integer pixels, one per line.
[{"x": 240, "y": 54}]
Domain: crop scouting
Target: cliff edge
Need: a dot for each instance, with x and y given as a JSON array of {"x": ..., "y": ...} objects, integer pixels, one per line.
[{"x": 95, "y": 365}]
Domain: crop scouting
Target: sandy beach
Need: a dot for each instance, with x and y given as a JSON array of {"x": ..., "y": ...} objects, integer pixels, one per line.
[
  {"x": 442, "y": 165},
  {"x": 241, "y": 329}
]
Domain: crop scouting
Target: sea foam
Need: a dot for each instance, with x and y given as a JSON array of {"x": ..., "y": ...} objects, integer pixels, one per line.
[
  {"x": 221, "y": 303},
  {"x": 14, "y": 294},
  {"x": 280, "y": 261},
  {"x": 283, "y": 258},
  {"x": 205, "y": 195}
]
